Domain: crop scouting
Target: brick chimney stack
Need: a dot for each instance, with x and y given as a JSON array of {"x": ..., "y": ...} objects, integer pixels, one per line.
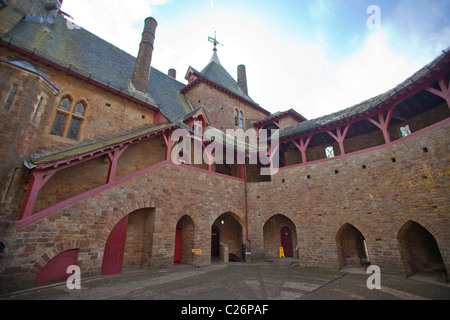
[
  {"x": 141, "y": 73},
  {"x": 242, "y": 79}
]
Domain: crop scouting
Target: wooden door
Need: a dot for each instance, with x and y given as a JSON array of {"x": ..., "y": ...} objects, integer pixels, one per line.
[
  {"x": 286, "y": 242},
  {"x": 215, "y": 241},
  {"x": 178, "y": 243},
  {"x": 114, "y": 249},
  {"x": 56, "y": 269}
]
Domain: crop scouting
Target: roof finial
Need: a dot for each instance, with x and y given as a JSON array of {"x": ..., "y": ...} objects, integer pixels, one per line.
[{"x": 214, "y": 41}]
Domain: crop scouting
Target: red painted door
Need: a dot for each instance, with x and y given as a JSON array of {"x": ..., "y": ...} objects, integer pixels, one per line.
[
  {"x": 286, "y": 242},
  {"x": 114, "y": 249},
  {"x": 56, "y": 269},
  {"x": 178, "y": 243},
  {"x": 215, "y": 241}
]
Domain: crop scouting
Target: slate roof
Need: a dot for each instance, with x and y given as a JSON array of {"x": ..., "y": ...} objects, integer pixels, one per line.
[
  {"x": 277, "y": 115},
  {"x": 83, "y": 52},
  {"x": 215, "y": 72}
]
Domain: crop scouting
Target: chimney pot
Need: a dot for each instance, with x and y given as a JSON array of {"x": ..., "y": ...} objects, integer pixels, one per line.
[
  {"x": 141, "y": 73},
  {"x": 242, "y": 79},
  {"x": 173, "y": 73}
]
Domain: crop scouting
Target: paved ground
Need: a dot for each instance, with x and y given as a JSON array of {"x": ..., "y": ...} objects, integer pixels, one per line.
[{"x": 239, "y": 282}]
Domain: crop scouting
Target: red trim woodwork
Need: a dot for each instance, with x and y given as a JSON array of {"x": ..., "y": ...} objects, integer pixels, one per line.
[
  {"x": 169, "y": 144},
  {"x": 37, "y": 181},
  {"x": 444, "y": 93},
  {"x": 113, "y": 157},
  {"x": 340, "y": 136},
  {"x": 414, "y": 134},
  {"x": 384, "y": 123},
  {"x": 303, "y": 146}
]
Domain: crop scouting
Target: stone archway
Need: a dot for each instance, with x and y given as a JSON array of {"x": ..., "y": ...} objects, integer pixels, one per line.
[
  {"x": 352, "y": 250},
  {"x": 279, "y": 231},
  {"x": 129, "y": 245},
  {"x": 229, "y": 233},
  {"x": 184, "y": 241},
  {"x": 419, "y": 249}
]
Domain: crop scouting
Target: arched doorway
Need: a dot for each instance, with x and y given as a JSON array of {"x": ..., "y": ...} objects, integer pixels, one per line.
[
  {"x": 419, "y": 250},
  {"x": 351, "y": 244},
  {"x": 184, "y": 241},
  {"x": 129, "y": 244},
  {"x": 226, "y": 231},
  {"x": 279, "y": 231}
]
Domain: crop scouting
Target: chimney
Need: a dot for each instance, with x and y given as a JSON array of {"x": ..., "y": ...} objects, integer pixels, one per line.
[
  {"x": 173, "y": 73},
  {"x": 242, "y": 79},
  {"x": 141, "y": 73}
]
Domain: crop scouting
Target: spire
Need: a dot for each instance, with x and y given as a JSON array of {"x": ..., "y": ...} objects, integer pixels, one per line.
[{"x": 214, "y": 41}]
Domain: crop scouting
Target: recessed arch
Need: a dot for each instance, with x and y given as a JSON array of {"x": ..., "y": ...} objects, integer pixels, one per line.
[
  {"x": 184, "y": 241},
  {"x": 351, "y": 245},
  {"x": 279, "y": 231},
  {"x": 419, "y": 249},
  {"x": 226, "y": 231},
  {"x": 130, "y": 243}
]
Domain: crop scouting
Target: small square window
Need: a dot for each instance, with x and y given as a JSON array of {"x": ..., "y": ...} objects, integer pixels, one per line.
[
  {"x": 329, "y": 152},
  {"x": 406, "y": 131}
]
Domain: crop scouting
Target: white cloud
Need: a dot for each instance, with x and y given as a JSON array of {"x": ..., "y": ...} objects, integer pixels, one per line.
[
  {"x": 304, "y": 77},
  {"x": 282, "y": 72},
  {"x": 113, "y": 20}
]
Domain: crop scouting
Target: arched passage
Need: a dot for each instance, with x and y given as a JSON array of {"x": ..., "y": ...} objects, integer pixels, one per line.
[
  {"x": 227, "y": 232},
  {"x": 352, "y": 250},
  {"x": 129, "y": 244},
  {"x": 184, "y": 241},
  {"x": 279, "y": 231},
  {"x": 419, "y": 249}
]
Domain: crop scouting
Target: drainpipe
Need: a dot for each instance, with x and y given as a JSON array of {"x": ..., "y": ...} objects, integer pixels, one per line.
[{"x": 244, "y": 168}]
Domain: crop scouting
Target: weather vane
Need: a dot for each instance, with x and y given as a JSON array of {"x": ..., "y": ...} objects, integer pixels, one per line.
[{"x": 214, "y": 41}]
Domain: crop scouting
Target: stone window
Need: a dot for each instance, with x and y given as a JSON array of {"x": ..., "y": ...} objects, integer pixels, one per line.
[
  {"x": 36, "y": 109},
  {"x": 238, "y": 118},
  {"x": 69, "y": 119},
  {"x": 10, "y": 99}
]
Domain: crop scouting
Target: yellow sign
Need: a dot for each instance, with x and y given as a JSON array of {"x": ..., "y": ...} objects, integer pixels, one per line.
[
  {"x": 197, "y": 251},
  {"x": 282, "y": 253}
]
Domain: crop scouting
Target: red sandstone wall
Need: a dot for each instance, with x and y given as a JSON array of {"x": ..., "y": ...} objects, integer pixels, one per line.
[{"x": 377, "y": 200}]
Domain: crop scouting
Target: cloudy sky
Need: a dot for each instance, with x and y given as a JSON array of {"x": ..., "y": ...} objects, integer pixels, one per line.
[{"x": 315, "y": 56}]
